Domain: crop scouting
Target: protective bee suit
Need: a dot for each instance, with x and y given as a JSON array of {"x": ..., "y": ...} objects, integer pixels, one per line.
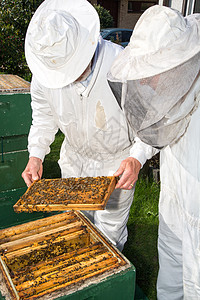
[
  {"x": 159, "y": 75},
  {"x": 97, "y": 136}
]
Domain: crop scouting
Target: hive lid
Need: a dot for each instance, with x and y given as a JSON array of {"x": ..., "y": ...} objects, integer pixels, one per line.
[
  {"x": 84, "y": 193},
  {"x": 13, "y": 83}
]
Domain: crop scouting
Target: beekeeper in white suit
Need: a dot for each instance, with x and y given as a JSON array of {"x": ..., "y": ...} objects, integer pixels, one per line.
[
  {"x": 70, "y": 92},
  {"x": 160, "y": 96}
]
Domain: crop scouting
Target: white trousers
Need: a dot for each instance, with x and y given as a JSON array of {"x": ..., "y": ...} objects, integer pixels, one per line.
[
  {"x": 112, "y": 221},
  {"x": 179, "y": 213}
]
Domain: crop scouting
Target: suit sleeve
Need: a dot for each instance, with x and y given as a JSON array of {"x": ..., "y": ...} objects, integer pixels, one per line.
[
  {"x": 43, "y": 128},
  {"x": 141, "y": 151}
]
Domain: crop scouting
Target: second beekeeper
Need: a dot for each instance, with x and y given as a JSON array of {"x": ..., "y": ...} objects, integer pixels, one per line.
[{"x": 159, "y": 74}]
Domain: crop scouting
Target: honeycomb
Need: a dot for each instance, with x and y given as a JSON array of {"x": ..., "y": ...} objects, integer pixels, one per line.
[
  {"x": 53, "y": 256},
  {"x": 84, "y": 193}
]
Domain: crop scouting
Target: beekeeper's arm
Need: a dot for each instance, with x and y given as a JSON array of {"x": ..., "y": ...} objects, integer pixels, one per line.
[
  {"x": 41, "y": 135},
  {"x": 130, "y": 167}
]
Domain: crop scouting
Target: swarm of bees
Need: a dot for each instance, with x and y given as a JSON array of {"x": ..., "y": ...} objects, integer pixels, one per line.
[{"x": 90, "y": 193}]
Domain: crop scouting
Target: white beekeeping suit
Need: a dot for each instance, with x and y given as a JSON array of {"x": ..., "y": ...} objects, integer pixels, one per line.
[
  {"x": 158, "y": 78},
  {"x": 70, "y": 92}
]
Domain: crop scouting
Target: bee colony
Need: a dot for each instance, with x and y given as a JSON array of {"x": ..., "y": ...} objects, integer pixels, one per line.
[
  {"x": 54, "y": 256},
  {"x": 84, "y": 193}
]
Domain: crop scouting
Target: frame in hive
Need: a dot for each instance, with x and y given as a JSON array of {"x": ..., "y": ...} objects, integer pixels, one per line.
[
  {"x": 84, "y": 193},
  {"x": 54, "y": 256}
]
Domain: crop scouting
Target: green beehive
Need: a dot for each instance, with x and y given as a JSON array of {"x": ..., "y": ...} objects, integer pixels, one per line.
[
  {"x": 8, "y": 217},
  {"x": 15, "y": 110},
  {"x": 15, "y": 121},
  {"x": 15, "y": 116}
]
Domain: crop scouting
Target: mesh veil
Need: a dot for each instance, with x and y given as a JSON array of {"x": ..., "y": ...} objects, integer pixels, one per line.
[{"x": 158, "y": 108}]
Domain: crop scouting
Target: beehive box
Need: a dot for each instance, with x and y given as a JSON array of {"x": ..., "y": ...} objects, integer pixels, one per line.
[
  {"x": 15, "y": 116},
  {"x": 15, "y": 107},
  {"x": 60, "y": 256},
  {"x": 84, "y": 193},
  {"x": 8, "y": 217}
]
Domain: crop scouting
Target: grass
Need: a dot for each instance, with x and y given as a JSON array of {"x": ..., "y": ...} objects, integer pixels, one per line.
[
  {"x": 141, "y": 247},
  {"x": 51, "y": 167}
]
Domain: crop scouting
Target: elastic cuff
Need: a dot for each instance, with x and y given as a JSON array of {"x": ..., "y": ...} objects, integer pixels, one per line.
[
  {"x": 139, "y": 155},
  {"x": 37, "y": 152}
]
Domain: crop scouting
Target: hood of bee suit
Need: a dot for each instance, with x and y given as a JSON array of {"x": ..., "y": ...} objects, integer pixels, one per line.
[
  {"x": 155, "y": 76},
  {"x": 61, "y": 40}
]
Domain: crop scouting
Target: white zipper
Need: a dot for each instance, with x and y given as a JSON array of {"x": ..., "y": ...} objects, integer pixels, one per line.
[{"x": 84, "y": 120}]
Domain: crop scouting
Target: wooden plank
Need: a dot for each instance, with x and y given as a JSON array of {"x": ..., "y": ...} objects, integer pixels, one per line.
[
  {"x": 98, "y": 236},
  {"x": 41, "y": 237},
  {"x": 110, "y": 190},
  {"x": 38, "y": 230},
  {"x": 59, "y": 207},
  {"x": 54, "y": 260},
  {"x": 8, "y": 280},
  {"x": 53, "y": 268},
  {"x": 13, "y": 83},
  {"x": 36, "y": 246},
  {"x": 79, "y": 280},
  {"x": 65, "y": 278},
  {"x": 66, "y": 273},
  {"x": 14, "y": 230}
]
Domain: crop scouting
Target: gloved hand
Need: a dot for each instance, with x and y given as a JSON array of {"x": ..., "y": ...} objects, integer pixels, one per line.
[
  {"x": 33, "y": 170},
  {"x": 129, "y": 169}
]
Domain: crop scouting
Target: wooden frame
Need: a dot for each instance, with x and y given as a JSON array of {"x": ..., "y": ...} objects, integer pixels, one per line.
[
  {"x": 85, "y": 199},
  {"x": 53, "y": 256}
]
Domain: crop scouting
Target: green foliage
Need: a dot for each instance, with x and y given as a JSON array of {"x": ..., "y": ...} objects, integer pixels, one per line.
[
  {"x": 51, "y": 167},
  {"x": 15, "y": 16},
  {"x": 106, "y": 20}
]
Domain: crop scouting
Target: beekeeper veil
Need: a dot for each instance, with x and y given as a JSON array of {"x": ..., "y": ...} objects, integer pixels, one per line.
[{"x": 153, "y": 78}]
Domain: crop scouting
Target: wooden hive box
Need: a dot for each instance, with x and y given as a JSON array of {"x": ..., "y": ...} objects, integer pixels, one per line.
[{"x": 56, "y": 256}]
